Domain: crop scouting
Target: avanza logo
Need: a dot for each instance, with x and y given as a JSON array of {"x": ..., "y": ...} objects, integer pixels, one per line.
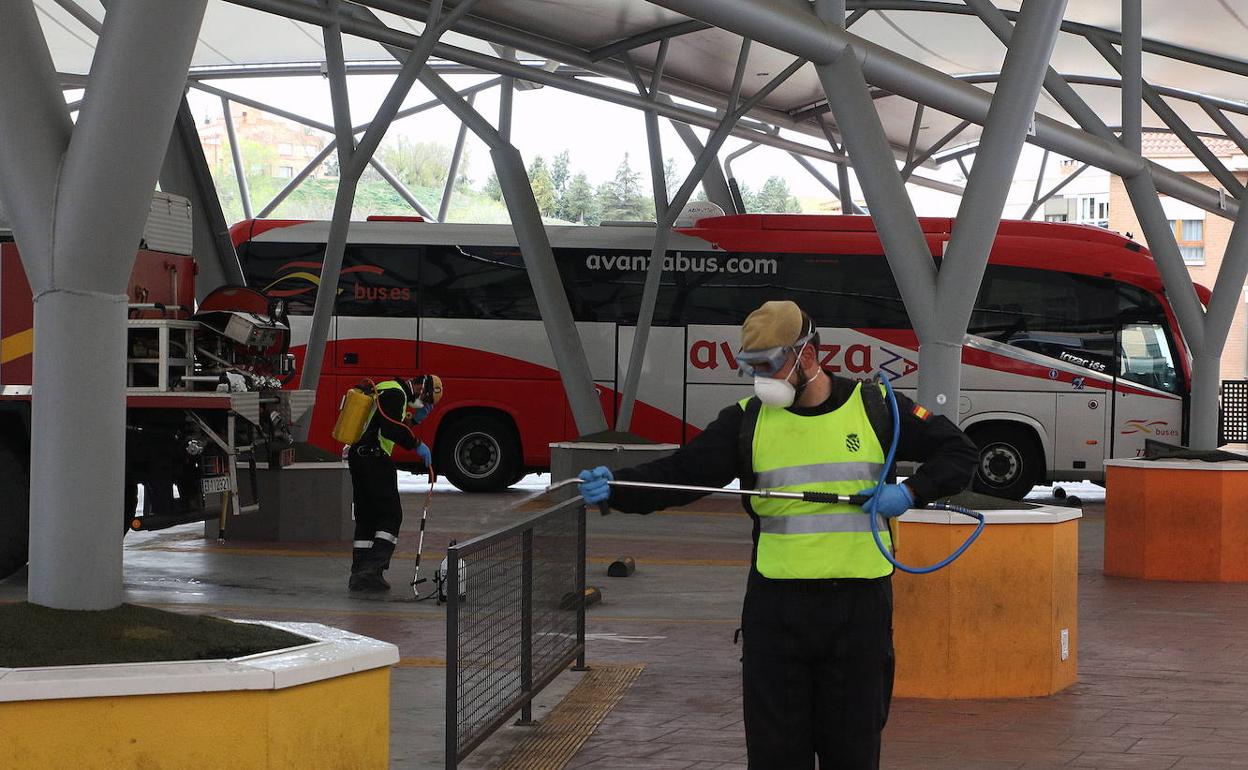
[
  {"x": 854, "y": 359},
  {"x": 1151, "y": 427}
]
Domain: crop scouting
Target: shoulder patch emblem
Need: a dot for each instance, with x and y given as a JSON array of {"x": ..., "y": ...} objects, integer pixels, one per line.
[{"x": 920, "y": 412}]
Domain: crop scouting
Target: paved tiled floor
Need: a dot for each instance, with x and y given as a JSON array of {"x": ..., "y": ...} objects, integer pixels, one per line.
[{"x": 1163, "y": 666}]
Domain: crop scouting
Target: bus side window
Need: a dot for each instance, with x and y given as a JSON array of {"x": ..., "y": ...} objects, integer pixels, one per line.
[{"x": 476, "y": 282}]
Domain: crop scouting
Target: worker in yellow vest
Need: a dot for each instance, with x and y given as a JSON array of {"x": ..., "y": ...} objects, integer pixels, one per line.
[
  {"x": 817, "y": 622},
  {"x": 400, "y": 405}
]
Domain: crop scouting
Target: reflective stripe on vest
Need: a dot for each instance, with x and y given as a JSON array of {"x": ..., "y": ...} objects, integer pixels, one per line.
[
  {"x": 386, "y": 444},
  {"x": 834, "y": 452}
]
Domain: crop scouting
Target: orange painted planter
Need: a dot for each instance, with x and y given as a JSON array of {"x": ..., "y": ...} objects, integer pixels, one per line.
[
  {"x": 1001, "y": 621},
  {"x": 1177, "y": 520}
]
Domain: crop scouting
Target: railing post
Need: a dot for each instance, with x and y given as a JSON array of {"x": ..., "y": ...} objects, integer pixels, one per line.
[
  {"x": 526, "y": 627},
  {"x": 580, "y": 590},
  {"x": 452, "y": 657}
]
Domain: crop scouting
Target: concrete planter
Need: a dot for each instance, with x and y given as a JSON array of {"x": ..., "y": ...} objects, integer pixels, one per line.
[
  {"x": 1001, "y": 621},
  {"x": 323, "y": 704}
]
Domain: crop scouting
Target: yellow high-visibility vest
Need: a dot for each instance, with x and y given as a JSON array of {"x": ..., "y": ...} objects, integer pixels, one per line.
[{"x": 834, "y": 452}]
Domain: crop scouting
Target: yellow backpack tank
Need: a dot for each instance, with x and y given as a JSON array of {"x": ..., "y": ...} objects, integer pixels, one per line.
[{"x": 354, "y": 412}]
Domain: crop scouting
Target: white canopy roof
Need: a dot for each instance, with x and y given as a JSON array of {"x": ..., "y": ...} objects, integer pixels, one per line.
[{"x": 942, "y": 34}]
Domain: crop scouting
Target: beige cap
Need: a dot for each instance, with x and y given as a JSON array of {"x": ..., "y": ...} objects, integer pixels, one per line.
[{"x": 776, "y": 324}]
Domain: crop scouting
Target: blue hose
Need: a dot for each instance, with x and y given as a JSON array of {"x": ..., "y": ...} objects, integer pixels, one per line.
[{"x": 874, "y": 502}]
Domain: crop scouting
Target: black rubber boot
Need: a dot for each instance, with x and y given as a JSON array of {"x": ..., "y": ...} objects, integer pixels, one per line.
[{"x": 370, "y": 581}]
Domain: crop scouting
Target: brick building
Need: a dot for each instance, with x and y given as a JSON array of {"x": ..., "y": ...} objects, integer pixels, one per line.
[{"x": 293, "y": 145}]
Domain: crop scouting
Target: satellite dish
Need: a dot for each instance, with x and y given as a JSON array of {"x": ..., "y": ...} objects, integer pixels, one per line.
[{"x": 695, "y": 210}]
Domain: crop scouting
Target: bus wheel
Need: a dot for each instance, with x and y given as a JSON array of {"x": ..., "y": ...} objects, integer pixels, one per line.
[
  {"x": 1010, "y": 461},
  {"x": 14, "y": 513},
  {"x": 479, "y": 454}
]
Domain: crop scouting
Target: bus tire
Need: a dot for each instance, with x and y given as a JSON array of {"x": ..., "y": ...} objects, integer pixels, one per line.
[
  {"x": 14, "y": 513},
  {"x": 479, "y": 453},
  {"x": 1010, "y": 461}
]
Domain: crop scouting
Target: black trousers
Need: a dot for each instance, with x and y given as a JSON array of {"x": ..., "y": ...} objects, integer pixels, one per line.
[
  {"x": 378, "y": 512},
  {"x": 817, "y": 672}
]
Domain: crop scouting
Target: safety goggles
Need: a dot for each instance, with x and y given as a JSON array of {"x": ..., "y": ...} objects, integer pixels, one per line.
[{"x": 769, "y": 361}]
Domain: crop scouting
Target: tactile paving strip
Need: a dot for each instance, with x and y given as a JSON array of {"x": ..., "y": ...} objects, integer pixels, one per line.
[{"x": 562, "y": 732}]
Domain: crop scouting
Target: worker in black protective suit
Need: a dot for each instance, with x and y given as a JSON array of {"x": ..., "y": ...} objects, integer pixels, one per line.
[
  {"x": 401, "y": 404},
  {"x": 818, "y": 662}
]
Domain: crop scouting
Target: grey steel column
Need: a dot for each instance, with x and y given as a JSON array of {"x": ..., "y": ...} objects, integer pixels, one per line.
[
  {"x": 539, "y": 260},
  {"x": 236, "y": 153},
  {"x": 298, "y": 179},
  {"x": 1132, "y": 76},
  {"x": 654, "y": 143},
  {"x": 663, "y": 230},
  {"x": 713, "y": 182},
  {"x": 397, "y": 185},
  {"x": 352, "y": 160},
  {"x": 185, "y": 172},
  {"x": 78, "y": 197},
  {"x": 1039, "y": 200},
  {"x": 453, "y": 170},
  {"x": 842, "y": 171},
  {"x": 1009, "y": 116}
]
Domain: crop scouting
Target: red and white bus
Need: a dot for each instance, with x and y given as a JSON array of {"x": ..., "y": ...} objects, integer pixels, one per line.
[{"x": 1073, "y": 353}]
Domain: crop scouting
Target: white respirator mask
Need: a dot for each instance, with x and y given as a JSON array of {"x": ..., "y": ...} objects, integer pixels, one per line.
[{"x": 771, "y": 392}]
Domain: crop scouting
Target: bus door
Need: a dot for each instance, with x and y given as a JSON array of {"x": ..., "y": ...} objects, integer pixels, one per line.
[
  {"x": 659, "y": 410},
  {"x": 1148, "y": 401},
  {"x": 1080, "y": 440}
]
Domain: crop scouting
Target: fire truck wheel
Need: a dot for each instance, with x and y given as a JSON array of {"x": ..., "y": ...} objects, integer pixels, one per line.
[
  {"x": 1010, "y": 461},
  {"x": 479, "y": 453},
  {"x": 14, "y": 514}
]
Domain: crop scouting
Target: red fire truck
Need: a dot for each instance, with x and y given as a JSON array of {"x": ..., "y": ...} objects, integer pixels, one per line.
[{"x": 204, "y": 387}]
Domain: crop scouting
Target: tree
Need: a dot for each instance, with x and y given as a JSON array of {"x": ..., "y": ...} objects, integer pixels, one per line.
[
  {"x": 579, "y": 204},
  {"x": 620, "y": 198},
  {"x": 775, "y": 197},
  {"x": 492, "y": 189},
  {"x": 672, "y": 177},
  {"x": 543, "y": 188},
  {"x": 418, "y": 164},
  {"x": 560, "y": 171}
]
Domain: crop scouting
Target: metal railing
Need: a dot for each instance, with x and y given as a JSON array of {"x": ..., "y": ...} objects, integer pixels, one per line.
[{"x": 515, "y": 619}]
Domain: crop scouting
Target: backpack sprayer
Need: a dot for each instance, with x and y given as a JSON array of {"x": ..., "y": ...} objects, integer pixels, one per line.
[{"x": 830, "y": 498}]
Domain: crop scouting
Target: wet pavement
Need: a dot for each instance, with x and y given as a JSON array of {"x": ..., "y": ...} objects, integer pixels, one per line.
[{"x": 1163, "y": 680}]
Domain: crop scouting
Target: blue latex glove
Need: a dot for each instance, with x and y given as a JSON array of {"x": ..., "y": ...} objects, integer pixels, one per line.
[
  {"x": 891, "y": 500},
  {"x": 426, "y": 456},
  {"x": 594, "y": 487}
]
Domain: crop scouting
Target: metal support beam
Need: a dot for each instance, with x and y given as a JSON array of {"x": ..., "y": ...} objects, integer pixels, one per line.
[
  {"x": 914, "y": 136},
  {"x": 1035, "y": 195},
  {"x": 1173, "y": 121},
  {"x": 298, "y": 179},
  {"x": 352, "y": 161},
  {"x": 842, "y": 171},
  {"x": 539, "y": 259},
  {"x": 236, "y": 153},
  {"x": 78, "y": 195},
  {"x": 654, "y": 142},
  {"x": 645, "y": 38},
  {"x": 1039, "y": 199},
  {"x": 185, "y": 172},
  {"x": 452, "y": 170},
  {"x": 738, "y": 202},
  {"x": 823, "y": 180},
  {"x": 662, "y": 233},
  {"x": 787, "y": 28},
  {"x": 714, "y": 184},
  {"x": 1231, "y": 131},
  {"x": 936, "y": 147},
  {"x": 397, "y": 185},
  {"x": 1132, "y": 76},
  {"x": 1005, "y": 129}
]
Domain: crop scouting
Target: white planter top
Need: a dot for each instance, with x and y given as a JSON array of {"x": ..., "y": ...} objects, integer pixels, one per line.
[
  {"x": 1181, "y": 465},
  {"x": 333, "y": 653},
  {"x": 1045, "y": 514}
]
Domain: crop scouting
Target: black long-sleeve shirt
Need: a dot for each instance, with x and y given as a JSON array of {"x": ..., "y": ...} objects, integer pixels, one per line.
[
  {"x": 393, "y": 403},
  {"x": 712, "y": 458}
]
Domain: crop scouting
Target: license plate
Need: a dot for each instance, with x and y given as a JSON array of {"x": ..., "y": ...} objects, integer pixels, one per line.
[{"x": 215, "y": 484}]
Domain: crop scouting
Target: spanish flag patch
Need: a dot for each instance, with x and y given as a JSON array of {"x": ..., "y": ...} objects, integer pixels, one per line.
[{"x": 920, "y": 412}]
